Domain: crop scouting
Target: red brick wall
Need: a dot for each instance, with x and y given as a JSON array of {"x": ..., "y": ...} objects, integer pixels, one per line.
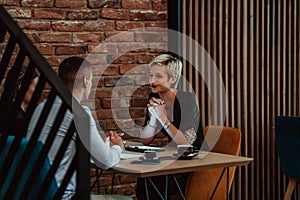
[{"x": 62, "y": 28}]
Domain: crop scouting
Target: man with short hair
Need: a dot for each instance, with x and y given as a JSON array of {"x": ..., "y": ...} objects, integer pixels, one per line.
[{"x": 76, "y": 73}]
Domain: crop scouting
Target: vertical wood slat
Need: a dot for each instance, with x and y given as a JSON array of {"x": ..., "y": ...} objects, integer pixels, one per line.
[{"x": 255, "y": 45}]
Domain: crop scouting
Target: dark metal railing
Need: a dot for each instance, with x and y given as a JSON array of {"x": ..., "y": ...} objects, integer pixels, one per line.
[{"x": 18, "y": 52}]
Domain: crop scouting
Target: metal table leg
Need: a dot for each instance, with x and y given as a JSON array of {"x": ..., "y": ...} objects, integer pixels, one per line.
[
  {"x": 112, "y": 183},
  {"x": 98, "y": 175}
]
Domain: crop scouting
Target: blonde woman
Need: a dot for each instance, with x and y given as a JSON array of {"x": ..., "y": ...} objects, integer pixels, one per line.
[{"x": 171, "y": 112}]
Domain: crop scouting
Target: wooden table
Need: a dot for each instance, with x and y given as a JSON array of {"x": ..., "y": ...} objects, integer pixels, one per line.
[
  {"x": 205, "y": 160},
  {"x": 173, "y": 166}
]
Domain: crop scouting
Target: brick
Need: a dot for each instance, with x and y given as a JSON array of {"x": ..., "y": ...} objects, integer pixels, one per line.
[
  {"x": 104, "y": 114},
  {"x": 137, "y": 112},
  {"x": 137, "y": 4},
  {"x": 141, "y": 80},
  {"x": 141, "y": 92},
  {"x": 50, "y": 13},
  {"x": 162, "y": 16},
  {"x": 82, "y": 14},
  {"x": 104, "y": 3},
  {"x": 133, "y": 69},
  {"x": 98, "y": 82},
  {"x": 105, "y": 181},
  {"x": 100, "y": 25},
  {"x": 126, "y": 58},
  {"x": 88, "y": 37},
  {"x": 35, "y": 25},
  {"x": 109, "y": 13},
  {"x": 98, "y": 70},
  {"x": 137, "y": 15},
  {"x": 98, "y": 60},
  {"x": 69, "y": 50},
  {"x": 123, "y": 114},
  {"x": 125, "y": 81},
  {"x": 54, "y": 61},
  {"x": 92, "y": 102},
  {"x": 32, "y": 36},
  {"x": 105, "y": 103},
  {"x": 19, "y": 13},
  {"x": 128, "y": 25},
  {"x": 113, "y": 81},
  {"x": 110, "y": 81},
  {"x": 144, "y": 58},
  {"x": 156, "y": 24},
  {"x": 45, "y": 49},
  {"x": 128, "y": 179},
  {"x": 125, "y": 91},
  {"x": 55, "y": 37},
  {"x": 149, "y": 37},
  {"x": 9, "y": 2},
  {"x": 133, "y": 47},
  {"x": 160, "y": 4},
  {"x": 127, "y": 68},
  {"x": 124, "y": 36},
  {"x": 115, "y": 103},
  {"x": 71, "y": 3},
  {"x": 124, "y": 190},
  {"x": 110, "y": 125},
  {"x": 139, "y": 102},
  {"x": 111, "y": 71},
  {"x": 109, "y": 48},
  {"x": 67, "y": 26},
  {"x": 125, "y": 124},
  {"x": 37, "y": 3},
  {"x": 158, "y": 47}
]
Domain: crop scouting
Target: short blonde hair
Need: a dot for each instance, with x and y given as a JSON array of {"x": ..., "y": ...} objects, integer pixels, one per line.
[{"x": 173, "y": 65}]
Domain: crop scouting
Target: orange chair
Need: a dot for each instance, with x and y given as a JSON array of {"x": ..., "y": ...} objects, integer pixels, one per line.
[{"x": 201, "y": 184}]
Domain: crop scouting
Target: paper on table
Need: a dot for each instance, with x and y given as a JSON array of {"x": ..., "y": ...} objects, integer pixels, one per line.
[{"x": 126, "y": 156}]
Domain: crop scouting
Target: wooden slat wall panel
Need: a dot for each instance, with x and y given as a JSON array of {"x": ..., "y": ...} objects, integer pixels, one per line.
[{"x": 255, "y": 45}]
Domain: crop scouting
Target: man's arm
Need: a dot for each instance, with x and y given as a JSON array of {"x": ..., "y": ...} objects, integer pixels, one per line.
[{"x": 104, "y": 155}]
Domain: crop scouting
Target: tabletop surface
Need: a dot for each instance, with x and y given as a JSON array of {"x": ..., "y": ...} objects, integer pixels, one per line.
[{"x": 205, "y": 160}]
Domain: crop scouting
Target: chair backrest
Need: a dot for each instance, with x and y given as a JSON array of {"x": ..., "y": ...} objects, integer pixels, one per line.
[
  {"x": 229, "y": 139},
  {"x": 201, "y": 184},
  {"x": 18, "y": 51},
  {"x": 287, "y": 138}
]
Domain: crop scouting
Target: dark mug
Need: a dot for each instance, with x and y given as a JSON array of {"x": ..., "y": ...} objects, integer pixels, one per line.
[{"x": 185, "y": 149}]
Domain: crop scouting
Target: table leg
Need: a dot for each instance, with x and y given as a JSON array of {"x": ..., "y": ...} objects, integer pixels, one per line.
[
  {"x": 178, "y": 186},
  {"x": 156, "y": 189},
  {"x": 98, "y": 175},
  {"x": 146, "y": 187},
  {"x": 166, "y": 187},
  {"x": 112, "y": 183},
  {"x": 167, "y": 184}
]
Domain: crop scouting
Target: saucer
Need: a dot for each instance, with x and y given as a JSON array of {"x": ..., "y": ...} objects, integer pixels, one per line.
[{"x": 143, "y": 159}]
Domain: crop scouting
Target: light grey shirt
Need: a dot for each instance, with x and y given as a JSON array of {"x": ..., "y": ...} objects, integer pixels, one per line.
[{"x": 104, "y": 155}]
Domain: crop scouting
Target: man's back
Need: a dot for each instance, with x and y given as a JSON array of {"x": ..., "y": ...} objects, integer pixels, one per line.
[{"x": 66, "y": 122}]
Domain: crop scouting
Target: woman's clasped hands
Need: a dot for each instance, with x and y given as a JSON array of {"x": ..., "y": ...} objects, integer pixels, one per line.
[{"x": 157, "y": 109}]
